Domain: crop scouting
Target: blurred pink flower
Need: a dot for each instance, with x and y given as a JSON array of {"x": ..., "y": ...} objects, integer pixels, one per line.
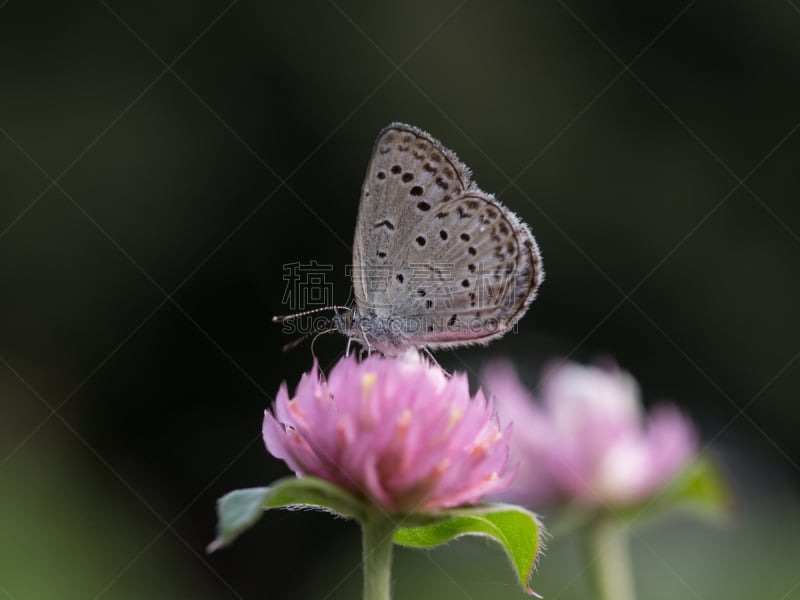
[
  {"x": 587, "y": 441},
  {"x": 395, "y": 431}
]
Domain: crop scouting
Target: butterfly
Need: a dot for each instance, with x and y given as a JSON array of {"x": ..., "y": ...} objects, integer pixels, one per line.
[{"x": 437, "y": 262}]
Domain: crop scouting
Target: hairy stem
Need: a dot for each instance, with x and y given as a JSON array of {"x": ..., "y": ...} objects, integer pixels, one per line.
[{"x": 377, "y": 536}]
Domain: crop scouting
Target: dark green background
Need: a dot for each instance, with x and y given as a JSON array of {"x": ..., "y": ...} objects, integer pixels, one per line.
[{"x": 159, "y": 164}]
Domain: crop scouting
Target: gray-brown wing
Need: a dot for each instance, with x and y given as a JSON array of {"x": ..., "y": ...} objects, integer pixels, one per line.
[
  {"x": 486, "y": 272},
  {"x": 410, "y": 176}
]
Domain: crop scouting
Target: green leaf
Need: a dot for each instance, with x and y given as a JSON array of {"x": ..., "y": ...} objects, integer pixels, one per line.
[
  {"x": 700, "y": 488},
  {"x": 516, "y": 529},
  {"x": 240, "y": 509}
]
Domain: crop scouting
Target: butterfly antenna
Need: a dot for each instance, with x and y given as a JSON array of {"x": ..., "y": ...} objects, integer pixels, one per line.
[
  {"x": 283, "y": 318},
  {"x": 295, "y": 343}
]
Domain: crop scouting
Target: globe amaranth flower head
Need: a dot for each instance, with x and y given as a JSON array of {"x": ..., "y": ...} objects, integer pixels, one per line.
[
  {"x": 587, "y": 439},
  {"x": 397, "y": 432}
]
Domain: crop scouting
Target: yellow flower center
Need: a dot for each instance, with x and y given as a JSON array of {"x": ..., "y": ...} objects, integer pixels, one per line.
[
  {"x": 367, "y": 383},
  {"x": 455, "y": 416},
  {"x": 404, "y": 420}
]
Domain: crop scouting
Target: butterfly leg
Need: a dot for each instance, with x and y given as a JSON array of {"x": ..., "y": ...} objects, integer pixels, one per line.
[
  {"x": 431, "y": 358},
  {"x": 366, "y": 341}
]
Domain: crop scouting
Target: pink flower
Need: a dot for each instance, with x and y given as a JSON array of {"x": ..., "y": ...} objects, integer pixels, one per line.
[
  {"x": 397, "y": 432},
  {"x": 588, "y": 441}
]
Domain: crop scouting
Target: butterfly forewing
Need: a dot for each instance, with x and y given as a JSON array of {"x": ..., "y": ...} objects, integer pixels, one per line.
[{"x": 409, "y": 176}]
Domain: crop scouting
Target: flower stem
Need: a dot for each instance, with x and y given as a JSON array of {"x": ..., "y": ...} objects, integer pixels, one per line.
[
  {"x": 610, "y": 560},
  {"x": 377, "y": 536}
]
